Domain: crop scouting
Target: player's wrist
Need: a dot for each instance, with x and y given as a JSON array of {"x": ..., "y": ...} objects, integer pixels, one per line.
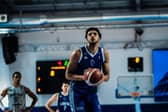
[
  {"x": 86, "y": 74},
  {"x": 85, "y": 77}
]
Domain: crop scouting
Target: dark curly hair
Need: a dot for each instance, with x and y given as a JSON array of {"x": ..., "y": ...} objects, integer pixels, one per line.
[
  {"x": 18, "y": 73},
  {"x": 93, "y": 28}
]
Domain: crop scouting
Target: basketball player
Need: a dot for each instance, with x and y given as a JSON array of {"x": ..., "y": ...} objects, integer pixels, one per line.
[
  {"x": 17, "y": 95},
  {"x": 63, "y": 104},
  {"x": 83, "y": 96}
]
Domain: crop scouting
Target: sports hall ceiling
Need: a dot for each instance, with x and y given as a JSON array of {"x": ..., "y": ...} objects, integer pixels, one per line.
[
  {"x": 39, "y": 15},
  {"x": 35, "y": 6},
  {"x": 50, "y": 9}
]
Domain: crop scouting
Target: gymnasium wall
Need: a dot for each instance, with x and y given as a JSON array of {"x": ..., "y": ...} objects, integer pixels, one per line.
[
  {"x": 4, "y": 72},
  {"x": 37, "y": 46}
]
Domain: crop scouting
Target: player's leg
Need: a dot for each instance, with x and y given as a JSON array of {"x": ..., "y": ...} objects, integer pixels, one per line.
[
  {"x": 76, "y": 101},
  {"x": 93, "y": 104}
]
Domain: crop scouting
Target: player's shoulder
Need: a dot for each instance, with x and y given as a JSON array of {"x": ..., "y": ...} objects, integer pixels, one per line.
[
  {"x": 26, "y": 89},
  {"x": 55, "y": 95},
  {"x": 106, "y": 55},
  {"x": 9, "y": 88},
  {"x": 105, "y": 50},
  {"x": 5, "y": 89},
  {"x": 76, "y": 53},
  {"x": 4, "y": 92},
  {"x": 23, "y": 86}
]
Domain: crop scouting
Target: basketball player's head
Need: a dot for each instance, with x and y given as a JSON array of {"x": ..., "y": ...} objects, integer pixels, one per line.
[
  {"x": 16, "y": 76},
  {"x": 92, "y": 31},
  {"x": 93, "y": 35},
  {"x": 65, "y": 86}
]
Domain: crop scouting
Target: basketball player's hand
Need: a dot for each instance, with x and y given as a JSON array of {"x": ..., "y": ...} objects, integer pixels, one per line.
[
  {"x": 86, "y": 73},
  {"x": 101, "y": 81}
]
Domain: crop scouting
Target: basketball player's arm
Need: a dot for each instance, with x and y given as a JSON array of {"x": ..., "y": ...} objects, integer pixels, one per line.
[
  {"x": 106, "y": 67},
  {"x": 51, "y": 101},
  {"x": 31, "y": 95},
  {"x": 72, "y": 67},
  {"x": 3, "y": 94}
]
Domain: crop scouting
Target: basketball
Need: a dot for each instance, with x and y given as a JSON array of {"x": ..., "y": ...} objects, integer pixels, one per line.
[{"x": 94, "y": 75}]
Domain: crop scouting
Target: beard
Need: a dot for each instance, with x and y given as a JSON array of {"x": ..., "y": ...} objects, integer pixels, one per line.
[{"x": 93, "y": 42}]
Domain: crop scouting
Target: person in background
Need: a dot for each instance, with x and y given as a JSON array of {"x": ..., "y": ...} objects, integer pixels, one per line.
[
  {"x": 62, "y": 98},
  {"x": 17, "y": 96},
  {"x": 83, "y": 96}
]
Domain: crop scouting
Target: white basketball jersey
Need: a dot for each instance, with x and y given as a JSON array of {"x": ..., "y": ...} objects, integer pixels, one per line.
[{"x": 16, "y": 96}]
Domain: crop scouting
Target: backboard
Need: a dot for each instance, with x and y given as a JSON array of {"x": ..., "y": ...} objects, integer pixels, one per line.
[{"x": 128, "y": 84}]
